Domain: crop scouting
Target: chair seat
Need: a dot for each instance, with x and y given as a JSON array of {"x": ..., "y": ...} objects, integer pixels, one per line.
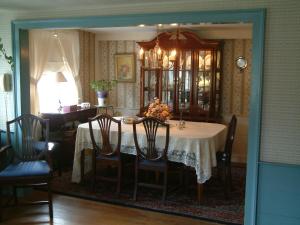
[
  {"x": 109, "y": 158},
  {"x": 24, "y": 169},
  {"x": 52, "y": 146},
  {"x": 149, "y": 164}
]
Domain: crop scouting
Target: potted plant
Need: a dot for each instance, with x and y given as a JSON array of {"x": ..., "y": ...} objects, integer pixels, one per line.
[
  {"x": 102, "y": 87},
  {"x": 9, "y": 59}
]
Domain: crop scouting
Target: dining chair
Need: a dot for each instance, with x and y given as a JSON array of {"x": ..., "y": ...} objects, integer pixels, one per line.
[
  {"x": 23, "y": 162},
  {"x": 150, "y": 158},
  {"x": 105, "y": 153},
  {"x": 224, "y": 157}
]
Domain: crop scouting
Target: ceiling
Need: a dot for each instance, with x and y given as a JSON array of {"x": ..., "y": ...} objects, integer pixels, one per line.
[
  {"x": 32, "y": 5},
  {"x": 148, "y": 32},
  {"x": 208, "y": 30}
]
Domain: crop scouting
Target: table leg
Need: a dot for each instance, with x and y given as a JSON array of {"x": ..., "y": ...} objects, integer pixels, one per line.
[{"x": 200, "y": 192}]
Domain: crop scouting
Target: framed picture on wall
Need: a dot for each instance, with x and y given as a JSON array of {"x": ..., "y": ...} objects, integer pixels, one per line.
[{"x": 125, "y": 67}]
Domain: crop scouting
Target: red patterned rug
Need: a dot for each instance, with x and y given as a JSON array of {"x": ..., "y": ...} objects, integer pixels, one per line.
[{"x": 215, "y": 206}]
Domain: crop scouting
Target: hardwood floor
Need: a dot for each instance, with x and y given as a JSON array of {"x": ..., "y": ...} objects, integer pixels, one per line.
[{"x": 74, "y": 211}]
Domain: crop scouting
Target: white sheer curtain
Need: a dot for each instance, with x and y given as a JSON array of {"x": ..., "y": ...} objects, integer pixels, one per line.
[
  {"x": 69, "y": 43},
  {"x": 40, "y": 44}
]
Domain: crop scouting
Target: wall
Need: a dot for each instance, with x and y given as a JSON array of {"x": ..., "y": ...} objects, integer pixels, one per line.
[
  {"x": 6, "y": 98},
  {"x": 280, "y": 142}
]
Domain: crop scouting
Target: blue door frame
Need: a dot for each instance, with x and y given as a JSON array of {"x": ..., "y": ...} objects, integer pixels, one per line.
[{"x": 254, "y": 16}]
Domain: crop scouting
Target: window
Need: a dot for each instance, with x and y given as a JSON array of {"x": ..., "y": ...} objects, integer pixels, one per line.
[{"x": 51, "y": 92}]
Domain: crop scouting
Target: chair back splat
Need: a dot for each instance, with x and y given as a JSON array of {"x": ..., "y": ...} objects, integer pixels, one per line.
[
  {"x": 230, "y": 137},
  {"x": 104, "y": 122},
  {"x": 224, "y": 157},
  {"x": 31, "y": 139},
  {"x": 151, "y": 152}
]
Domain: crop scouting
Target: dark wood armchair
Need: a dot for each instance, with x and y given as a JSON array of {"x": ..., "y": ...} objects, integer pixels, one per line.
[
  {"x": 224, "y": 157},
  {"x": 150, "y": 158},
  {"x": 106, "y": 153},
  {"x": 24, "y": 165}
]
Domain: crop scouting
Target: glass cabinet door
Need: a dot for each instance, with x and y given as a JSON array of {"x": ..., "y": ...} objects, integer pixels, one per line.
[
  {"x": 150, "y": 86},
  {"x": 204, "y": 79},
  {"x": 185, "y": 79},
  {"x": 168, "y": 87}
]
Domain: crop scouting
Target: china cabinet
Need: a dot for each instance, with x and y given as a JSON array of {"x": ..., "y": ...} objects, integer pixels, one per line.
[{"x": 183, "y": 71}]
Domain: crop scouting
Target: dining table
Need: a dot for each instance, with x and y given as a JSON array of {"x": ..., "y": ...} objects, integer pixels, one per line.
[{"x": 195, "y": 145}]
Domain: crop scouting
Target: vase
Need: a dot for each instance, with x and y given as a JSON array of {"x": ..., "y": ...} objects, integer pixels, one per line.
[{"x": 102, "y": 98}]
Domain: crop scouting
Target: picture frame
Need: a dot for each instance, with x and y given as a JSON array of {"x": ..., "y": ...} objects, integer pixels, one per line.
[{"x": 125, "y": 67}]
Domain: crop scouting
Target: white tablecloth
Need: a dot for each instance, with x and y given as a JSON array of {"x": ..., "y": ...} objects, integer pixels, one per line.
[{"x": 195, "y": 145}]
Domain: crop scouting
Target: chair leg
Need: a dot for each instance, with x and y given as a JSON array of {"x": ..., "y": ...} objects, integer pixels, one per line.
[
  {"x": 230, "y": 178},
  {"x": 15, "y": 195},
  {"x": 59, "y": 162},
  {"x": 50, "y": 200},
  {"x": 119, "y": 178},
  {"x": 1, "y": 206},
  {"x": 135, "y": 183},
  {"x": 165, "y": 186},
  {"x": 226, "y": 182},
  {"x": 199, "y": 193},
  {"x": 94, "y": 174},
  {"x": 82, "y": 159}
]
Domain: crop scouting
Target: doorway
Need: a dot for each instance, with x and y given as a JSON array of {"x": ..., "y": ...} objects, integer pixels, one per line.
[{"x": 256, "y": 17}]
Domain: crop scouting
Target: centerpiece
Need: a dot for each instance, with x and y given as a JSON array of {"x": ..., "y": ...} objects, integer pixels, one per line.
[{"x": 158, "y": 110}]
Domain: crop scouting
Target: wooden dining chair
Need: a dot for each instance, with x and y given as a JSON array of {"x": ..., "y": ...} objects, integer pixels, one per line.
[
  {"x": 23, "y": 165},
  {"x": 150, "y": 158},
  {"x": 224, "y": 157},
  {"x": 106, "y": 152}
]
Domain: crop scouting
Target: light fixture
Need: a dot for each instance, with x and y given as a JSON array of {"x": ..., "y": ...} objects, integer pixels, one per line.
[{"x": 157, "y": 57}]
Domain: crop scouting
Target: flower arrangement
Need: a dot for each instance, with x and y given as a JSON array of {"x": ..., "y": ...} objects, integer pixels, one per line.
[{"x": 158, "y": 110}]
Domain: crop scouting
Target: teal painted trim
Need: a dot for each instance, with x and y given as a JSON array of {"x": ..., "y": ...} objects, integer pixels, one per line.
[
  {"x": 24, "y": 65},
  {"x": 279, "y": 194},
  {"x": 17, "y": 74},
  {"x": 254, "y": 128},
  {"x": 255, "y": 16},
  {"x": 132, "y": 20}
]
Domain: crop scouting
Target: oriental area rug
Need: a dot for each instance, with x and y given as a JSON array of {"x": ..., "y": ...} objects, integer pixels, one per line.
[{"x": 181, "y": 200}]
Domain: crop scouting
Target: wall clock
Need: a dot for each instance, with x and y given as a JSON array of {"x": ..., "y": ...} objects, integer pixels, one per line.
[{"x": 241, "y": 63}]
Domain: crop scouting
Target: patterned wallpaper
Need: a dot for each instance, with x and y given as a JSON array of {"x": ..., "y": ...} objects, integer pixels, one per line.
[
  {"x": 124, "y": 97},
  {"x": 236, "y": 92},
  {"x": 87, "y": 65}
]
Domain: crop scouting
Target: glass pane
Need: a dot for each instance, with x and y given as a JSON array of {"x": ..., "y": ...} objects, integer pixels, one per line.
[
  {"x": 201, "y": 60},
  {"x": 218, "y": 76},
  {"x": 218, "y": 59},
  {"x": 207, "y": 60},
  {"x": 149, "y": 89},
  {"x": 200, "y": 88},
  {"x": 185, "y": 79},
  {"x": 168, "y": 87},
  {"x": 206, "y": 93}
]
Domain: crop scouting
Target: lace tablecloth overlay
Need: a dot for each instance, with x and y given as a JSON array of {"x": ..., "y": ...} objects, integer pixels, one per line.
[{"x": 194, "y": 146}]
